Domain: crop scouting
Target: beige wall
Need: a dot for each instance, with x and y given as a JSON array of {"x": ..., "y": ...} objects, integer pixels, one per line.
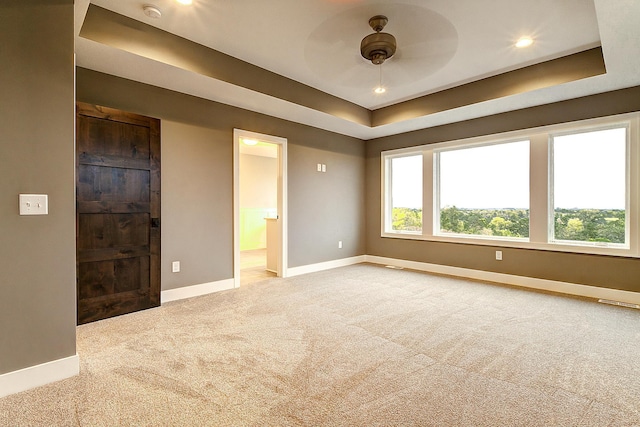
[
  {"x": 258, "y": 198},
  {"x": 604, "y": 271},
  {"x": 37, "y": 253},
  {"x": 258, "y": 181}
]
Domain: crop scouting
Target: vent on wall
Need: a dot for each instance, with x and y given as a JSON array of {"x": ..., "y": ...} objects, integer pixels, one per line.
[{"x": 619, "y": 303}]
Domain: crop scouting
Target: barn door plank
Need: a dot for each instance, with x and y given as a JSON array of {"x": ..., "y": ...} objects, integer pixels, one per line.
[{"x": 117, "y": 212}]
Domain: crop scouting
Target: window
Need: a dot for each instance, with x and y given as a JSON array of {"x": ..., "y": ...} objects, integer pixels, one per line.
[
  {"x": 589, "y": 179},
  {"x": 405, "y": 195},
  {"x": 484, "y": 190},
  {"x": 572, "y": 187}
]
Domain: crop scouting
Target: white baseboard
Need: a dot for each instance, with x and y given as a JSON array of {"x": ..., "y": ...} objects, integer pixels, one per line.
[
  {"x": 509, "y": 279},
  {"x": 39, "y": 375},
  {"x": 312, "y": 268},
  {"x": 196, "y": 290}
]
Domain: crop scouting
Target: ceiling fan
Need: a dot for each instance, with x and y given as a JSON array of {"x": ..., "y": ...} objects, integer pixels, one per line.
[
  {"x": 379, "y": 46},
  {"x": 412, "y": 41}
]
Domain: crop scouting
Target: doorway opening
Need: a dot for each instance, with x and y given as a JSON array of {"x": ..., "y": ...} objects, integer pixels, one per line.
[{"x": 260, "y": 207}]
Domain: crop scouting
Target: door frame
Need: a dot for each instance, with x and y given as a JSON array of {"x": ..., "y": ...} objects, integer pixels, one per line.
[{"x": 281, "y": 144}]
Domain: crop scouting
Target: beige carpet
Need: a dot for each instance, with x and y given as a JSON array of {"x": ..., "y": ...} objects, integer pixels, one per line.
[{"x": 357, "y": 346}]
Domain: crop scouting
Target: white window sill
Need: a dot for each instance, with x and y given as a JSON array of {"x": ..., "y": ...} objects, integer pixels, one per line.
[{"x": 589, "y": 249}]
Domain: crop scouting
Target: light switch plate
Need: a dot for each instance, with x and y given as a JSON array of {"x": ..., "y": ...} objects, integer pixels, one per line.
[{"x": 34, "y": 204}]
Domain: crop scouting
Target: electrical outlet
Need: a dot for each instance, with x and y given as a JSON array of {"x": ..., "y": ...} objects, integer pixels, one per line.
[
  {"x": 498, "y": 255},
  {"x": 339, "y": 244},
  {"x": 175, "y": 267},
  {"x": 319, "y": 167}
]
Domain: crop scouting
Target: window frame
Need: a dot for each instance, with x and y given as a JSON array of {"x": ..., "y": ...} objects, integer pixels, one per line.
[
  {"x": 437, "y": 181},
  {"x": 540, "y": 186},
  {"x": 387, "y": 205},
  {"x": 551, "y": 207}
]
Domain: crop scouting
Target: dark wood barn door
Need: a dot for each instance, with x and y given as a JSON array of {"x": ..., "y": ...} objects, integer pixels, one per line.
[{"x": 117, "y": 212}]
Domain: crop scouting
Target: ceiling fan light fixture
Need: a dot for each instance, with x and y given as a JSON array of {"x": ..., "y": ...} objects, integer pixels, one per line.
[{"x": 378, "y": 47}]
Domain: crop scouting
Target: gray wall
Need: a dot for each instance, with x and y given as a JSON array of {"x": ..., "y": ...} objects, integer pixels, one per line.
[
  {"x": 196, "y": 175},
  {"x": 323, "y": 207},
  {"x": 37, "y": 253},
  {"x": 596, "y": 270}
]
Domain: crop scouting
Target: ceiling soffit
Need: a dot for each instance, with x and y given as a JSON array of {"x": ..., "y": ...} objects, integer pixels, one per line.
[
  {"x": 545, "y": 74},
  {"x": 120, "y": 32}
]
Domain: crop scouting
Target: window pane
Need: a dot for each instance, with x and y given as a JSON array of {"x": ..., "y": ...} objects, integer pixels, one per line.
[
  {"x": 589, "y": 186},
  {"x": 406, "y": 193},
  {"x": 485, "y": 190}
]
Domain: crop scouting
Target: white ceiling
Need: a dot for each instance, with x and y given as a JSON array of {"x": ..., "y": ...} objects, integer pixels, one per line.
[{"x": 441, "y": 44}]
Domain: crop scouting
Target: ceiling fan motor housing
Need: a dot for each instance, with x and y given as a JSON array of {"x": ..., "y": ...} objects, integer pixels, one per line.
[{"x": 378, "y": 47}]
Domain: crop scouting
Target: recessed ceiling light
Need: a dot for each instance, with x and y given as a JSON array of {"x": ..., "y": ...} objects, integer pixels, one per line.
[
  {"x": 249, "y": 141},
  {"x": 185, "y": 1},
  {"x": 524, "y": 42}
]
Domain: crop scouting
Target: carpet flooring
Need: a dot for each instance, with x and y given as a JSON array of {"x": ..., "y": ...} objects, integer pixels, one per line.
[{"x": 361, "y": 345}]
